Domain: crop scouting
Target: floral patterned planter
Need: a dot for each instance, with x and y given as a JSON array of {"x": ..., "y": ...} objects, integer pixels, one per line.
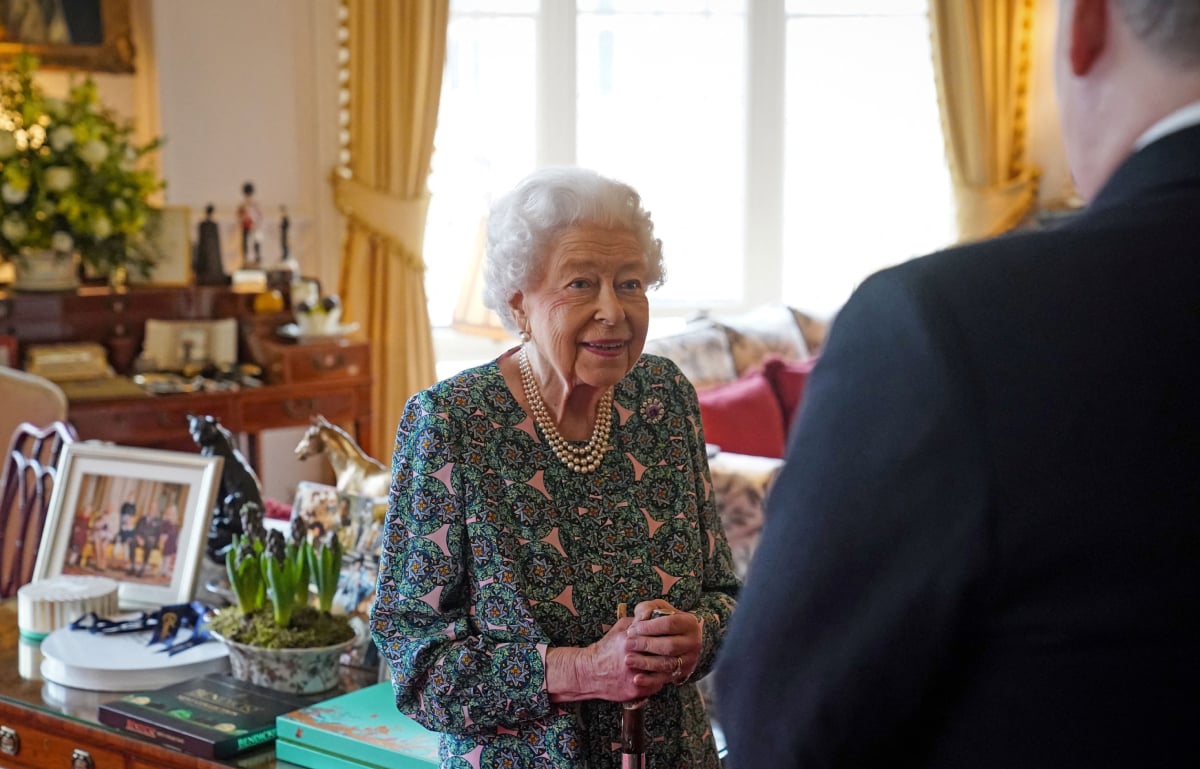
[{"x": 299, "y": 671}]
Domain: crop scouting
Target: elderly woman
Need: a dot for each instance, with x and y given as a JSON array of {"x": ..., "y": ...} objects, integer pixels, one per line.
[{"x": 536, "y": 494}]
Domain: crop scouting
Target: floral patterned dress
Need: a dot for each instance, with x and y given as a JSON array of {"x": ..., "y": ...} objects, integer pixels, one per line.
[{"x": 494, "y": 551}]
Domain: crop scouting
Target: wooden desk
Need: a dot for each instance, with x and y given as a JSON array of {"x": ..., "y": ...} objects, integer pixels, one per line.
[
  {"x": 53, "y": 721},
  {"x": 329, "y": 378},
  {"x": 160, "y": 421}
]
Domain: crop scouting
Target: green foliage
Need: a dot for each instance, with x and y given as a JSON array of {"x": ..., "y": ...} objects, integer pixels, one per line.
[
  {"x": 282, "y": 571},
  {"x": 71, "y": 176},
  {"x": 325, "y": 563},
  {"x": 263, "y": 570},
  {"x": 245, "y": 574},
  {"x": 309, "y": 628}
]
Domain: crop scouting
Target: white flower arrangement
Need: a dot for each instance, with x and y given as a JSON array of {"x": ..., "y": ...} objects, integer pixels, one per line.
[{"x": 70, "y": 179}]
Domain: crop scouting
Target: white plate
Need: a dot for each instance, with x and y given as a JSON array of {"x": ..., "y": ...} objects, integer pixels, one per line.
[
  {"x": 123, "y": 662},
  {"x": 292, "y": 331}
]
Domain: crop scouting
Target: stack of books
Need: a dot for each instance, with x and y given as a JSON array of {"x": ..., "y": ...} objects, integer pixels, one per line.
[
  {"x": 358, "y": 730},
  {"x": 213, "y": 716}
]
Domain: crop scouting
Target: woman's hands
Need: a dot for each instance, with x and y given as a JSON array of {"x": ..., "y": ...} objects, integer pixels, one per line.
[
  {"x": 633, "y": 660},
  {"x": 660, "y": 633}
]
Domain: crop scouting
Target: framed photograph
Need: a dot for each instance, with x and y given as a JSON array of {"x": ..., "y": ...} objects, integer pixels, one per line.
[
  {"x": 90, "y": 35},
  {"x": 358, "y": 521},
  {"x": 173, "y": 344},
  {"x": 8, "y": 351},
  {"x": 139, "y": 516},
  {"x": 170, "y": 234}
]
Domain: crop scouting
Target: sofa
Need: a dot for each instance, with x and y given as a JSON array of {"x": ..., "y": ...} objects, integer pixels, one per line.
[{"x": 749, "y": 371}]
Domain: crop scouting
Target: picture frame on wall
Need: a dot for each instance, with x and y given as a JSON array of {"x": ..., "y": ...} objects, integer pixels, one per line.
[
  {"x": 138, "y": 516},
  {"x": 87, "y": 35}
]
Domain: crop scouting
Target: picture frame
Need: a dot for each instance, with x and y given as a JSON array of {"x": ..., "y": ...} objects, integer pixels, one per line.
[
  {"x": 101, "y": 33},
  {"x": 172, "y": 345},
  {"x": 169, "y": 233},
  {"x": 358, "y": 521},
  {"x": 138, "y": 516}
]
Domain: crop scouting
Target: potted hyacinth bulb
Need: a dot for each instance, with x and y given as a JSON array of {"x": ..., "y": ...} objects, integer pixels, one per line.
[{"x": 282, "y": 633}]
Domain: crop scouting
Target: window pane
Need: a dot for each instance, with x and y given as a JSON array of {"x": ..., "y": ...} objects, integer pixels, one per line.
[
  {"x": 660, "y": 105},
  {"x": 631, "y": 7},
  {"x": 484, "y": 142},
  {"x": 866, "y": 183},
  {"x": 493, "y": 7},
  {"x": 857, "y": 7}
]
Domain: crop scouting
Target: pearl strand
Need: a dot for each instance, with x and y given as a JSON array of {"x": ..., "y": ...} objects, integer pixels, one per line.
[{"x": 581, "y": 459}]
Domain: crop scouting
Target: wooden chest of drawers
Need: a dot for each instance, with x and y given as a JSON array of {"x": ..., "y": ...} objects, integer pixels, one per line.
[{"x": 313, "y": 361}]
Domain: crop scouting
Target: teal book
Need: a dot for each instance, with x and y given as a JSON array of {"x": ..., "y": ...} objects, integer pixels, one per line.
[
  {"x": 212, "y": 716},
  {"x": 358, "y": 730}
]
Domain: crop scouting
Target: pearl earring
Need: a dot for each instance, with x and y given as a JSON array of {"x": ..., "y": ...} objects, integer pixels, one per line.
[{"x": 525, "y": 337}]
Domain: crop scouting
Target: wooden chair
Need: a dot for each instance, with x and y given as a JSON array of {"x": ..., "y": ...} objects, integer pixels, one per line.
[{"x": 26, "y": 483}]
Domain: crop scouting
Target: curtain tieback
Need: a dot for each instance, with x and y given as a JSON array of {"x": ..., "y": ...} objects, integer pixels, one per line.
[{"x": 400, "y": 220}]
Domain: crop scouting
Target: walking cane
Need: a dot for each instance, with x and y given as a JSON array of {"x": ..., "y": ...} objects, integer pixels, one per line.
[{"x": 633, "y": 726}]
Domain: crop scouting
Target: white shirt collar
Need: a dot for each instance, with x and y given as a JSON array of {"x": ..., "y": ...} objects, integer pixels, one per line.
[{"x": 1176, "y": 121}]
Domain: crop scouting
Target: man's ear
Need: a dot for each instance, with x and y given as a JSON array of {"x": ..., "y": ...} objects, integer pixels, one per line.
[{"x": 1089, "y": 33}]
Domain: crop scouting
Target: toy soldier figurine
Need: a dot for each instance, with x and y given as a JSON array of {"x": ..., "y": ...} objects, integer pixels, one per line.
[
  {"x": 250, "y": 217},
  {"x": 206, "y": 262}
]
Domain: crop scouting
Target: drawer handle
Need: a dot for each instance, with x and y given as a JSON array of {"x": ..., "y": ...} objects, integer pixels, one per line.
[
  {"x": 297, "y": 409},
  {"x": 81, "y": 759},
  {"x": 10, "y": 741},
  {"x": 328, "y": 362}
]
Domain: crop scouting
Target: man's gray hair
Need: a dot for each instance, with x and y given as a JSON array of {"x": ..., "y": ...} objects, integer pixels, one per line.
[
  {"x": 524, "y": 222},
  {"x": 1171, "y": 28}
]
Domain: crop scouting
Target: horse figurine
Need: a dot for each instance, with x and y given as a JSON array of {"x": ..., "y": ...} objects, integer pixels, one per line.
[
  {"x": 356, "y": 472},
  {"x": 239, "y": 483}
]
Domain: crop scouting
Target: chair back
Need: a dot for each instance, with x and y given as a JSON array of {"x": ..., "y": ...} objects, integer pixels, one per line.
[
  {"x": 26, "y": 484},
  {"x": 28, "y": 398}
]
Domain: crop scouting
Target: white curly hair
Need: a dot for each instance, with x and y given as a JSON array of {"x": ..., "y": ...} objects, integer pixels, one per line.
[{"x": 523, "y": 224}]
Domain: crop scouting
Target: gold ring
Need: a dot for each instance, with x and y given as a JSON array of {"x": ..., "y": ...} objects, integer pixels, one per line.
[{"x": 678, "y": 666}]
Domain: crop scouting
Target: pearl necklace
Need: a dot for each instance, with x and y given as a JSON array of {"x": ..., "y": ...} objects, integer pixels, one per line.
[{"x": 581, "y": 459}]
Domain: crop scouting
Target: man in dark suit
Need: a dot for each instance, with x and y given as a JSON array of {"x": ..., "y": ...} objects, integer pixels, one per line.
[{"x": 984, "y": 549}]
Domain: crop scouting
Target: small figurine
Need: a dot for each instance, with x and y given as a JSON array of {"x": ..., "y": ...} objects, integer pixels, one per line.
[
  {"x": 239, "y": 483},
  {"x": 206, "y": 261},
  {"x": 250, "y": 217},
  {"x": 287, "y": 263},
  {"x": 284, "y": 224}
]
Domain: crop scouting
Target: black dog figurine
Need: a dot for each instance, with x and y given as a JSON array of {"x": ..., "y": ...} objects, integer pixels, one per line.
[{"x": 239, "y": 483}]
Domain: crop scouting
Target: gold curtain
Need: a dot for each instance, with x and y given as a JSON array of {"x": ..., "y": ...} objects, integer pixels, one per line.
[
  {"x": 982, "y": 57},
  {"x": 396, "y": 53}
]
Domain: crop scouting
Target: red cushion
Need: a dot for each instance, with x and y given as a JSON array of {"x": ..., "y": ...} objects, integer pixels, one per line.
[
  {"x": 280, "y": 511},
  {"x": 743, "y": 417},
  {"x": 788, "y": 379}
]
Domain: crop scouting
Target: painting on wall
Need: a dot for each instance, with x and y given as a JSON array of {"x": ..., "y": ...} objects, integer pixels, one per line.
[{"x": 90, "y": 35}]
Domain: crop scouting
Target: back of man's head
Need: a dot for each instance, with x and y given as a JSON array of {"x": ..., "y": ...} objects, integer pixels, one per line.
[
  {"x": 1169, "y": 28},
  {"x": 1121, "y": 67}
]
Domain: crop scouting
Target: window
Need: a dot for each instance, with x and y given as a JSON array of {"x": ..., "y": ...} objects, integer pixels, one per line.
[{"x": 786, "y": 148}]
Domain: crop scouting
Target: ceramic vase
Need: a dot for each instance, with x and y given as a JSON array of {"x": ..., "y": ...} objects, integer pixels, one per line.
[{"x": 298, "y": 671}]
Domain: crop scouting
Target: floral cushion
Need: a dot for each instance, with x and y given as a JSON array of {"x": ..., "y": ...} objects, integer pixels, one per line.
[
  {"x": 761, "y": 332},
  {"x": 813, "y": 330},
  {"x": 701, "y": 351}
]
